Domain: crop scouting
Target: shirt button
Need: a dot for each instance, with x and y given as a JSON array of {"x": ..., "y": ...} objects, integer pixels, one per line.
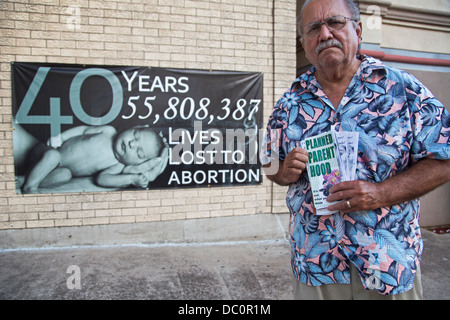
[
  {"x": 342, "y": 244},
  {"x": 335, "y": 120}
]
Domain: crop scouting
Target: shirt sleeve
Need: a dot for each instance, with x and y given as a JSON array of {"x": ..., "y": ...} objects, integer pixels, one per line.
[
  {"x": 271, "y": 145},
  {"x": 430, "y": 122}
]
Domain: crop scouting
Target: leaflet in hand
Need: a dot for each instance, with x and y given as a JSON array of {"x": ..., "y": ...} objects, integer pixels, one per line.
[
  {"x": 332, "y": 159},
  {"x": 347, "y": 152}
]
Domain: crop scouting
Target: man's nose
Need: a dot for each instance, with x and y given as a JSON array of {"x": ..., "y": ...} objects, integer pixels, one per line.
[
  {"x": 131, "y": 144},
  {"x": 325, "y": 33}
]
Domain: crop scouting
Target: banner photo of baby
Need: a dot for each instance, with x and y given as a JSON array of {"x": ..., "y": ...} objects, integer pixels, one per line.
[{"x": 79, "y": 128}]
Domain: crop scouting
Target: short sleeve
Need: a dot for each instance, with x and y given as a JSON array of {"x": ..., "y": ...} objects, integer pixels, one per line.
[
  {"x": 271, "y": 145},
  {"x": 430, "y": 122}
]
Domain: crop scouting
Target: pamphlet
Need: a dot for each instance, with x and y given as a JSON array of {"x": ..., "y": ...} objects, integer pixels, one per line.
[{"x": 332, "y": 159}]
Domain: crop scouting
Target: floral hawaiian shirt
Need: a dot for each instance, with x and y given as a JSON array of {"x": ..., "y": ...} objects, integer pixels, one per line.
[{"x": 399, "y": 122}]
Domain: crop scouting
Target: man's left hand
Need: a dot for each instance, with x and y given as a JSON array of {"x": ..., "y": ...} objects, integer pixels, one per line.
[{"x": 355, "y": 196}]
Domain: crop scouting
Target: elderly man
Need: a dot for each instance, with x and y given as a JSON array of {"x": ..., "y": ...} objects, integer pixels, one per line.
[{"x": 371, "y": 248}]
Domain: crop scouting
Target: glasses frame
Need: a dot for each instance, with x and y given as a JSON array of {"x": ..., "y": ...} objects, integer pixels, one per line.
[{"x": 325, "y": 22}]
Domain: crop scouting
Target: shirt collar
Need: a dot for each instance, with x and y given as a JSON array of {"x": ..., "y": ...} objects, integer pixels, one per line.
[{"x": 368, "y": 66}]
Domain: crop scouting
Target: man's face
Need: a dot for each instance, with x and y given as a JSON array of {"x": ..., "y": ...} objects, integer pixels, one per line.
[
  {"x": 136, "y": 145},
  {"x": 345, "y": 40}
]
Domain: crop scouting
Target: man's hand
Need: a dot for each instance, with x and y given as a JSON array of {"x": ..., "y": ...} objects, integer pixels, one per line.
[
  {"x": 361, "y": 195},
  {"x": 421, "y": 178},
  {"x": 291, "y": 168}
]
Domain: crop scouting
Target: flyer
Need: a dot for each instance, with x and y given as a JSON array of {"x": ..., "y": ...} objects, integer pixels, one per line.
[{"x": 332, "y": 159}]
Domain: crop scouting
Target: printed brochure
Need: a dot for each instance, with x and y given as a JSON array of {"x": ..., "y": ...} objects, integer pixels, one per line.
[{"x": 332, "y": 159}]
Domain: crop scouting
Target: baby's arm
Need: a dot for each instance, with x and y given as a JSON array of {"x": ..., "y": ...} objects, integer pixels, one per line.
[
  {"x": 114, "y": 177},
  {"x": 143, "y": 167},
  {"x": 57, "y": 141}
]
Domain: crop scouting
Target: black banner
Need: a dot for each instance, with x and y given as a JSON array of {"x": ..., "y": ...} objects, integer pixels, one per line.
[{"x": 99, "y": 128}]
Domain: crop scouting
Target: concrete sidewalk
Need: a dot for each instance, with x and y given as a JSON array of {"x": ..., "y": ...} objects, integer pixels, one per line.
[
  {"x": 251, "y": 269},
  {"x": 240, "y": 271}
]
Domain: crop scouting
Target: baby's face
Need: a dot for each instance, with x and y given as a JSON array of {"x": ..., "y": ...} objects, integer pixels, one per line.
[{"x": 136, "y": 145}]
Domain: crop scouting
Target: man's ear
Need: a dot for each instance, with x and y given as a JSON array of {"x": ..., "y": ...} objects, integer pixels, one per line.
[{"x": 359, "y": 30}]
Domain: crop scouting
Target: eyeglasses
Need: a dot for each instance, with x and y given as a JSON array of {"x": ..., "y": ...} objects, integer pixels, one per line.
[{"x": 333, "y": 23}]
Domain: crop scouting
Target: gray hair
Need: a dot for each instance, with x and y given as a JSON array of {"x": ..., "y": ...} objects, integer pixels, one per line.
[{"x": 351, "y": 5}]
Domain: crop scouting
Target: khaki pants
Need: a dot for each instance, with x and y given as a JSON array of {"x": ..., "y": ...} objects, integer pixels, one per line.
[{"x": 354, "y": 290}]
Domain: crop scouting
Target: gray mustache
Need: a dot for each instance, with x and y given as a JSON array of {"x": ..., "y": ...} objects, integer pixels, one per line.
[{"x": 328, "y": 44}]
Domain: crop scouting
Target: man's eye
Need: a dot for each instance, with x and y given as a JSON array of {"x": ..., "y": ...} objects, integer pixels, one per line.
[
  {"x": 334, "y": 23},
  {"x": 313, "y": 28}
]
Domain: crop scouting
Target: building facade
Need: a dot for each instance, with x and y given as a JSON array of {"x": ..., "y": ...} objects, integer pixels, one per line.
[
  {"x": 249, "y": 36},
  {"x": 231, "y": 35}
]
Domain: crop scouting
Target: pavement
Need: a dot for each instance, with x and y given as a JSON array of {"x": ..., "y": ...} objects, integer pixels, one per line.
[{"x": 234, "y": 270}]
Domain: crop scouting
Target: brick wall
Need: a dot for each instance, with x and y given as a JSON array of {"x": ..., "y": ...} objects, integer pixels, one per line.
[{"x": 241, "y": 35}]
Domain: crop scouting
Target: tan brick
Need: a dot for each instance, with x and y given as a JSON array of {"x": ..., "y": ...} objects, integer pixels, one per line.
[
  {"x": 52, "y": 215},
  {"x": 40, "y": 223},
  {"x": 78, "y": 198},
  {"x": 148, "y": 203},
  {"x": 23, "y": 216},
  {"x": 173, "y": 202},
  {"x": 107, "y": 196},
  {"x": 12, "y": 225},
  {"x": 222, "y": 35},
  {"x": 160, "y": 210},
  {"x": 149, "y": 218},
  {"x": 81, "y": 214},
  {"x": 12, "y": 208},
  {"x": 122, "y": 204},
  {"x": 67, "y": 206},
  {"x": 134, "y": 212},
  {"x": 108, "y": 212},
  {"x": 135, "y": 195},
  {"x": 116, "y": 220},
  {"x": 68, "y": 222},
  {"x": 39, "y": 208},
  {"x": 198, "y": 214},
  {"x": 95, "y": 221},
  {"x": 173, "y": 216},
  {"x": 94, "y": 205}
]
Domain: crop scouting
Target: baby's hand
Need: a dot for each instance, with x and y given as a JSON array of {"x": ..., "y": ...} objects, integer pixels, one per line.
[
  {"x": 55, "y": 142},
  {"x": 141, "y": 180}
]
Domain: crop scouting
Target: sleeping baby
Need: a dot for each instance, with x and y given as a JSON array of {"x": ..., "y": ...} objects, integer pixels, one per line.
[{"x": 134, "y": 157}]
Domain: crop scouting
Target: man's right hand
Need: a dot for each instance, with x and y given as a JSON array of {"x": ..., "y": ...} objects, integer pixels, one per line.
[{"x": 291, "y": 168}]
